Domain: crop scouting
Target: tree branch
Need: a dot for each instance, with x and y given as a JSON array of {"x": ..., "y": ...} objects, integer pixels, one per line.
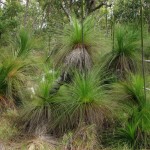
[
  {"x": 99, "y": 6},
  {"x": 67, "y": 12}
]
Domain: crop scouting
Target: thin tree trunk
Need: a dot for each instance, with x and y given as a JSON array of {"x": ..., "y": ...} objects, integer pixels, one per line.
[
  {"x": 149, "y": 25},
  {"x": 0, "y": 35},
  {"x": 106, "y": 22},
  {"x": 142, "y": 47},
  {"x": 113, "y": 32},
  {"x": 43, "y": 20},
  {"x": 67, "y": 11},
  {"x": 26, "y": 13}
]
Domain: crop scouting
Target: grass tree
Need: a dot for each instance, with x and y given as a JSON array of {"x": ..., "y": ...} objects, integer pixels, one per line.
[
  {"x": 124, "y": 56},
  {"x": 135, "y": 132},
  {"x": 36, "y": 115},
  {"x": 131, "y": 91},
  {"x": 128, "y": 135},
  {"x": 14, "y": 70},
  {"x": 82, "y": 102},
  {"x": 78, "y": 45}
]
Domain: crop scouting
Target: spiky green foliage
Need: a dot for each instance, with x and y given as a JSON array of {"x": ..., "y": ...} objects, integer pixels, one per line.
[
  {"x": 78, "y": 45},
  {"x": 131, "y": 96},
  {"x": 123, "y": 58},
  {"x": 73, "y": 37},
  {"x": 128, "y": 135},
  {"x": 23, "y": 43},
  {"x": 135, "y": 133},
  {"x": 38, "y": 113},
  {"x": 77, "y": 49},
  {"x": 131, "y": 91},
  {"x": 14, "y": 72},
  {"x": 83, "y": 101},
  {"x": 12, "y": 78}
]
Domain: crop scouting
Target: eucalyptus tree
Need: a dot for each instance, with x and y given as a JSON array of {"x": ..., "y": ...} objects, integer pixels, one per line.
[
  {"x": 147, "y": 13},
  {"x": 128, "y": 11},
  {"x": 69, "y": 7},
  {"x": 9, "y": 17}
]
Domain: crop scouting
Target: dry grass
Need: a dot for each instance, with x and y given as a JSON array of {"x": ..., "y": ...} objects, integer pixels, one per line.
[
  {"x": 7, "y": 129},
  {"x": 34, "y": 143},
  {"x": 84, "y": 138}
]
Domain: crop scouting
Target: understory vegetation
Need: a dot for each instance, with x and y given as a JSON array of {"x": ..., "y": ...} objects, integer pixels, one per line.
[{"x": 73, "y": 83}]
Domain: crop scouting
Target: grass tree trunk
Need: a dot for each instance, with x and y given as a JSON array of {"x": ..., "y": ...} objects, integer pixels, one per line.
[
  {"x": 76, "y": 56},
  {"x": 77, "y": 60},
  {"x": 56, "y": 85}
]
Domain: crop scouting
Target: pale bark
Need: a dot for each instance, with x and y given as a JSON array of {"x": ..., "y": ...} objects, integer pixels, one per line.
[{"x": 67, "y": 11}]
